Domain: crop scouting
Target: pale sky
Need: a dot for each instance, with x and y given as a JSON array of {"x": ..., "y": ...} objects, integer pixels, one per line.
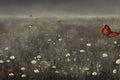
[{"x": 59, "y": 7}]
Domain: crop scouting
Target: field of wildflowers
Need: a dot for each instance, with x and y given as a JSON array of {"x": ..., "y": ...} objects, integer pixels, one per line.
[{"x": 59, "y": 49}]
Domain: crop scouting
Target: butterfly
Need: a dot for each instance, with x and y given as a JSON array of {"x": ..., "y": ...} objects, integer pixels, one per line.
[{"x": 107, "y": 31}]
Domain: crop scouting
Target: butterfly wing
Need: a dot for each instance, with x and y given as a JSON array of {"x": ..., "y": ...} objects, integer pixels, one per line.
[
  {"x": 112, "y": 34},
  {"x": 106, "y": 30}
]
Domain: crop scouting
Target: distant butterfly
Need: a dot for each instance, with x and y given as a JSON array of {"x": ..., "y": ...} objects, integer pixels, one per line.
[{"x": 107, "y": 31}]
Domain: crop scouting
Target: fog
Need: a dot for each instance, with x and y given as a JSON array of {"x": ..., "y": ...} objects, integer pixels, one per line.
[{"x": 59, "y": 7}]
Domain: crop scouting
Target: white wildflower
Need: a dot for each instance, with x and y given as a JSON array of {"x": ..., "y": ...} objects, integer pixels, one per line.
[
  {"x": 49, "y": 39},
  {"x": 34, "y": 57},
  {"x": 36, "y": 71},
  {"x": 104, "y": 55},
  {"x": 39, "y": 56},
  {"x": 11, "y": 74},
  {"x": 68, "y": 60},
  {"x": 33, "y": 61},
  {"x": 60, "y": 39},
  {"x": 57, "y": 71},
  {"x": 29, "y": 26},
  {"x": 86, "y": 68},
  {"x": 68, "y": 55},
  {"x": 82, "y": 50},
  {"x": 1, "y": 61},
  {"x": 53, "y": 66},
  {"x": 114, "y": 71},
  {"x": 22, "y": 68},
  {"x": 23, "y": 75},
  {"x": 12, "y": 57},
  {"x": 81, "y": 39},
  {"x": 115, "y": 42},
  {"x": 94, "y": 73},
  {"x": 8, "y": 60},
  {"x": 118, "y": 61},
  {"x": 88, "y": 44},
  {"x": 6, "y": 48}
]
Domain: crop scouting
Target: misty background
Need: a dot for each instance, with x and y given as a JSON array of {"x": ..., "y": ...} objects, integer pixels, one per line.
[{"x": 59, "y": 7}]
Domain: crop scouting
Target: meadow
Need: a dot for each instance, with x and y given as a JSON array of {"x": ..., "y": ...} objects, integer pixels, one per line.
[{"x": 59, "y": 49}]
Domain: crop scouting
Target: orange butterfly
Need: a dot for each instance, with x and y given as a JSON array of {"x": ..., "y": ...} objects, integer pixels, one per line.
[{"x": 107, "y": 31}]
